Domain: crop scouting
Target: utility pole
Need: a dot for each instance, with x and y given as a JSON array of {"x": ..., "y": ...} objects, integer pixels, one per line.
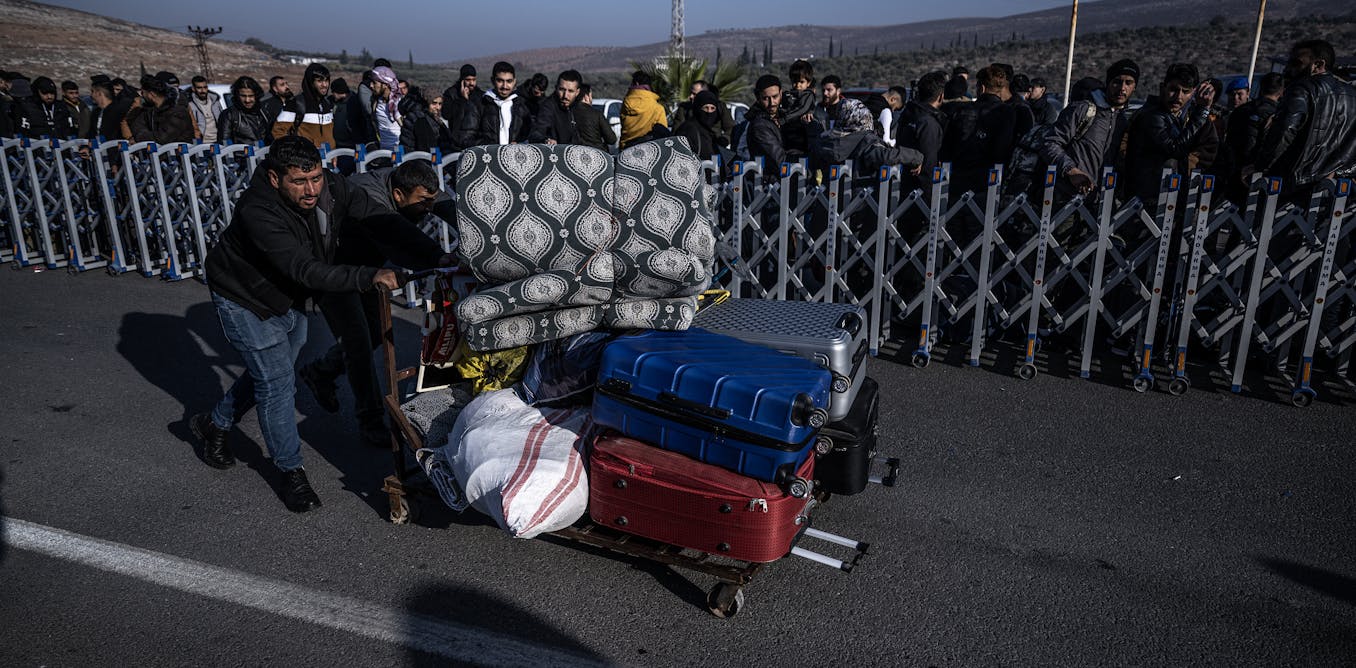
[
  {"x": 676, "y": 46},
  {"x": 200, "y": 37}
]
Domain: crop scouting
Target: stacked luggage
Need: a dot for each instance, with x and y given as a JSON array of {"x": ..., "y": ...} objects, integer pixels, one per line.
[{"x": 722, "y": 444}]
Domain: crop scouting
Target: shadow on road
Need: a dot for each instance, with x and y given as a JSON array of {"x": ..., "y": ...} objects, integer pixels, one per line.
[
  {"x": 468, "y": 607},
  {"x": 1340, "y": 587},
  {"x": 185, "y": 357}
]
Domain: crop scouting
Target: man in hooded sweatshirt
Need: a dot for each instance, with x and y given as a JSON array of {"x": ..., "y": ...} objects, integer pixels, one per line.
[
  {"x": 42, "y": 115},
  {"x": 310, "y": 114},
  {"x": 641, "y": 111}
]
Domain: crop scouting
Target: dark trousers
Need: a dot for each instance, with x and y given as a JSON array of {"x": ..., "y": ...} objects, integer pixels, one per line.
[{"x": 354, "y": 320}]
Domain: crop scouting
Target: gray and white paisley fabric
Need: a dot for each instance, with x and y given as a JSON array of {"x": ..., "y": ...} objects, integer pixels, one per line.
[{"x": 564, "y": 240}]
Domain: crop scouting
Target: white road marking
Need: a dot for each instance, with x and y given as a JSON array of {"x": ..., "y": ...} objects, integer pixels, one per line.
[{"x": 421, "y": 632}]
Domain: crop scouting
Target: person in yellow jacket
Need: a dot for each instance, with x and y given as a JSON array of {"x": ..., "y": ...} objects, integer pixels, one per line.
[{"x": 641, "y": 111}]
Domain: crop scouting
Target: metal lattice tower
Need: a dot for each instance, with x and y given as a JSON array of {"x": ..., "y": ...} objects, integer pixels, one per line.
[
  {"x": 200, "y": 37},
  {"x": 676, "y": 46}
]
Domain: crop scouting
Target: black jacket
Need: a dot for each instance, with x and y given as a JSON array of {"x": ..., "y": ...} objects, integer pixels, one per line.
[
  {"x": 374, "y": 232},
  {"x": 420, "y": 131},
  {"x": 6, "y": 115},
  {"x": 272, "y": 106},
  {"x": 520, "y": 120},
  {"x": 238, "y": 125},
  {"x": 462, "y": 116},
  {"x": 272, "y": 257},
  {"x": 980, "y": 135},
  {"x": 764, "y": 139},
  {"x": 701, "y": 139},
  {"x": 554, "y": 121},
  {"x": 1095, "y": 148},
  {"x": 1247, "y": 124},
  {"x": 594, "y": 128},
  {"x": 1158, "y": 139},
  {"x": 1313, "y": 133},
  {"x": 169, "y": 122},
  {"x": 107, "y": 122},
  {"x": 921, "y": 128},
  {"x": 33, "y": 119},
  {"x": 362, "y": 127}
]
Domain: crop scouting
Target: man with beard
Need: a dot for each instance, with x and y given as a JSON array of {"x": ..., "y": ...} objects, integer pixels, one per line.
[
  {"x": 1087, "y": 135},
  {"x": 380, "y": 226},
  {"x": 109, "y": 110},
  {"x": 277, "y": 253},
  {"x": 42, "y": 115},
  {"x": 461, "y": 104},
  {"x": 1162, "y": 134},
  {"x": 156, "y": 116},
  {"x": 1313, "y": 134},
  {"x": 279, "y": 93},
  {"x": 555, "y": 122},
  {"x": 244, "y": 122},
  {"x": 311, "y": 114}
]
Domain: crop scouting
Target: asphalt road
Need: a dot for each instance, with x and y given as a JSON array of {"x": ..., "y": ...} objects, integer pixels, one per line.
[{"x": 1052, "y": 522}]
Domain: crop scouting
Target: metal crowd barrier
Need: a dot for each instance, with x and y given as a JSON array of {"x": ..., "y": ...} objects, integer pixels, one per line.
[{"x": 1187, "y": 274}]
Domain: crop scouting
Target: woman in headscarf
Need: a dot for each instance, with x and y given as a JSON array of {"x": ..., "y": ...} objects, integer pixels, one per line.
[{"x": 702, "y": 124}]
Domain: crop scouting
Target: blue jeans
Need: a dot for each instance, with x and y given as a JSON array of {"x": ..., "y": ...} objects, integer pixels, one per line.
[{"x": 270, "y": 348}]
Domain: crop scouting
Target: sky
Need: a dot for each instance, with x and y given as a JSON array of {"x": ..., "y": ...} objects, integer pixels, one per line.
[{"x": 449, "y": 30}]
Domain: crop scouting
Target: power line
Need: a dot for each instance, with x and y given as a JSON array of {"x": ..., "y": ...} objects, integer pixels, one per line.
[{"x": 200, "y": 37}]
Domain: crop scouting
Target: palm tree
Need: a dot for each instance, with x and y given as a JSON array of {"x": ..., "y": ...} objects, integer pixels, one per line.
[{"x": 673, "y": 78}]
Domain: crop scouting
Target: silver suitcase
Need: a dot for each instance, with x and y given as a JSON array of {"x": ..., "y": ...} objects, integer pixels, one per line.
[{"x": 832, "y": 335}]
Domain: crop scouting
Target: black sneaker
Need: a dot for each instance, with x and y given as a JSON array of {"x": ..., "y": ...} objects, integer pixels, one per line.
[
  {"x": 214, "y": 450},
  {"x": 323, "y": 389},
  {"x": 297, "y": 493}
]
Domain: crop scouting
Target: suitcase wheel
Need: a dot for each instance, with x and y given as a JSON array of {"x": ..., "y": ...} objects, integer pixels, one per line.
[{"x": 725, "y": 599}]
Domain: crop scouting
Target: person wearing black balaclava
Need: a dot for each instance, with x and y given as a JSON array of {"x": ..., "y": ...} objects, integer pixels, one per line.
[{"x": 702, "y": 124}]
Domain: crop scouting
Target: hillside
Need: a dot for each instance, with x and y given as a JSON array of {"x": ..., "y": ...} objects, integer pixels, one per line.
[
  {"x": 806, "y": 41},
  {"x": 61, "y": 43}
]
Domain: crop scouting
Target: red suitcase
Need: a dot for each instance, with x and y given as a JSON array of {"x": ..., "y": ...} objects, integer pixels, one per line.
[{"x": 670, "y": 497}]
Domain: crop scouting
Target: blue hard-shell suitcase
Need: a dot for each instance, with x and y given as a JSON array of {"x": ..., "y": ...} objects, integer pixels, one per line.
[{"x": 713, "y": 397}]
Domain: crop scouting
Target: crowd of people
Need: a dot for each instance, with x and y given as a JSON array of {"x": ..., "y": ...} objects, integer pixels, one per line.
[{"x": 1298, "y": 125}]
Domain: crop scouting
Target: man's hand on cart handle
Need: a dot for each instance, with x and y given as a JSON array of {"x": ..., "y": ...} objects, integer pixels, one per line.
[{"x": 388, "y": 278}]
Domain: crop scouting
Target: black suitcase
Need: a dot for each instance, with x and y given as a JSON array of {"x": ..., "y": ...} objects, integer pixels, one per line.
[{"x": 845, "y": 449}]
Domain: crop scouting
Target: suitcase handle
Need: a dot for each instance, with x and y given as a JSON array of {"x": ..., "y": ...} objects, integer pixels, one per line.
[
  {"x": 696, "y": 407},
  {"x": 851, "y": 323}
]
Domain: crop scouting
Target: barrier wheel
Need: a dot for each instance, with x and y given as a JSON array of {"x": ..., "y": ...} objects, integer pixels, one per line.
[
  {"x": 725, "y": 600},
  {"x": 1026, "y": 371},
  {"x": 1144, "y": 384},
  {"x": 920, "y": 360},
  {"x": 1179, "y": 386},
  {"x": 1302, "y": 398}
]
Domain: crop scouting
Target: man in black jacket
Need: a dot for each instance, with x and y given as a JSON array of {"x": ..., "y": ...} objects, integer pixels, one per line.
[
  {"x": 981, "y": 134},
  {"x": 504, "y": 114},
  {"x": 921, "y": 128},
  {"x": 1162, "y": 133},
  {"x": 594, "y": 128},
  {"x": 278, "y": 251},
  {"x": 763, "y": 135},
  {"x": 1313, "y": 134},
  {"x": 109, "y": 110},
  {"x": 1087, "y": 135},
  {"x": 380, "y": 225},
  {"x": 41, "y": 115},
  {"x": 1247, "y": 125},
  {"x": 157, "y": 115},
  {"x": 554, "y": 122},
  {"x": 461, "y": 105},
  {"x": 244, "y": 122}
]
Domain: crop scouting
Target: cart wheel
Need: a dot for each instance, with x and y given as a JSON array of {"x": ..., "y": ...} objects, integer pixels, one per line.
[
  {"x": 725, "y": 600},
  {"x": 402, "y": 511},
  {"x": 1302, "y": 398},
  {"x": 920, "y": 360},
  {"x": 1026, "y": 371},
  {"x": 1144, "y": 384},
  {"x": 1179, "y": 386}
]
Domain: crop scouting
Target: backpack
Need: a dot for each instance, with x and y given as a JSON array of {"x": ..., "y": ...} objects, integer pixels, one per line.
[{"x": 1019, "y": 175}]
